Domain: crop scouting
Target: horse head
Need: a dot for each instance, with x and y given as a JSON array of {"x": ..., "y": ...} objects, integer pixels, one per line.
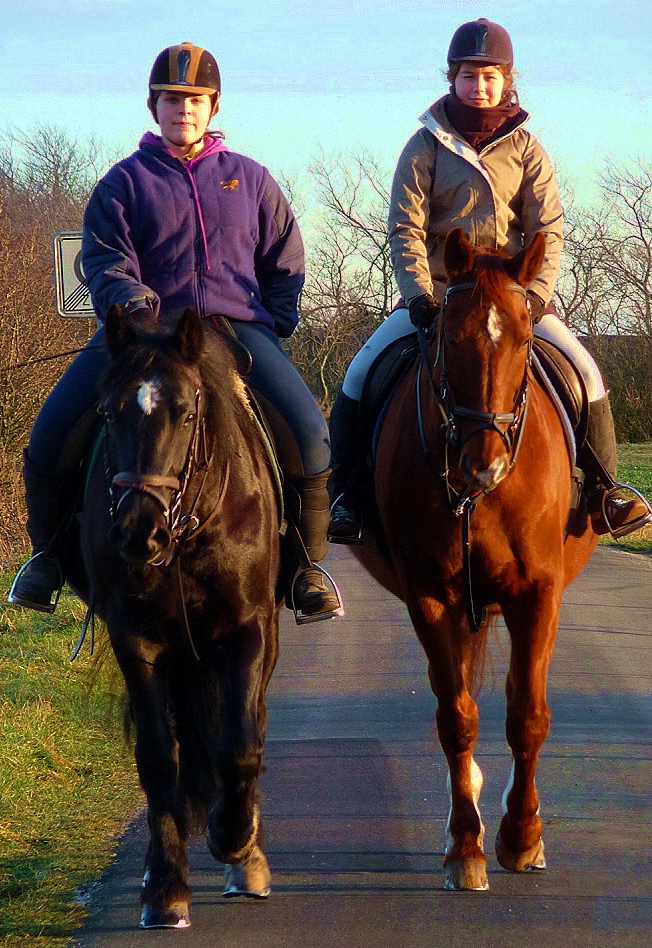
[
  {"x": 151, "y": 401},
  {"x": 485, "y": 342}
]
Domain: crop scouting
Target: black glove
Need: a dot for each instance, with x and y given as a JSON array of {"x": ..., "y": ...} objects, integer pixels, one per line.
[
  {"x": 423, "y": 311},
  {"x": 536, "y": 306}
]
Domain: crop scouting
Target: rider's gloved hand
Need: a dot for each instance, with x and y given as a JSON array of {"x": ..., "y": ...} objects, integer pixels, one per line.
[
  {"x": 423, "y": 311},
  {"x": 140, "y": 315}
]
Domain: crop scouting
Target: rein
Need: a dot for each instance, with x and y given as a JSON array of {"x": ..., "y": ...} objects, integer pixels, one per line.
[{"x": 509, "y": 425}]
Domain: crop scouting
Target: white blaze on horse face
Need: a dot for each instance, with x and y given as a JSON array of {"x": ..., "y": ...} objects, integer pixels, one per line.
[
  {"x": 149, "y": 395},
  {"x": 494, "y": 325}
]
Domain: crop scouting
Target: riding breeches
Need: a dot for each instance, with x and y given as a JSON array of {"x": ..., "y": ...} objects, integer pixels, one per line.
[
  {"x": 398, "y": 324},
  {"x": 272, "y": 374}
]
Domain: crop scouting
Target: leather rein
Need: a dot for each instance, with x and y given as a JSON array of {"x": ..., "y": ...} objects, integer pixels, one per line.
[{"x": 509, "y": 425}]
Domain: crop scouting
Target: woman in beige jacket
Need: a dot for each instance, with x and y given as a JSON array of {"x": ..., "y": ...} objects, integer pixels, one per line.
[{"x": 474, "y": 165}]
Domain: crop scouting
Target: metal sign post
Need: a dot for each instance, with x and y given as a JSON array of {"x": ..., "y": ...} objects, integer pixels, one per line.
[{"x": 72, "y": 295}]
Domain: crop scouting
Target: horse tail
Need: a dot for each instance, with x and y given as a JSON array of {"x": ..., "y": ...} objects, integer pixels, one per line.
[{"x": 476, "y": 656}]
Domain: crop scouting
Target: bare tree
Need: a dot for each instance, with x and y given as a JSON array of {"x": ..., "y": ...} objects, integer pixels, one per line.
[
  {"x": 605, "y": 290},
  {"x": 45, "y": 180},
  {"x": 353, "y": 193},
  {"x": 349, "y": 287}
]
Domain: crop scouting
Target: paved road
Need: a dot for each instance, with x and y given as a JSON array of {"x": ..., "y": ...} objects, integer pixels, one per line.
[{"x": 355, "y": 798}]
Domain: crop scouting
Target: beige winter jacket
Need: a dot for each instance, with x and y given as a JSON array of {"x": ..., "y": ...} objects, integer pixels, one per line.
[{"x": 501, "y": 198}]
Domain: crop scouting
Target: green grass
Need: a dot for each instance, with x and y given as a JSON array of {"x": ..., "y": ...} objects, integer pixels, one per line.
[
  {"x": 67, "y": 781},
  {"x": 635, "y": 468}
]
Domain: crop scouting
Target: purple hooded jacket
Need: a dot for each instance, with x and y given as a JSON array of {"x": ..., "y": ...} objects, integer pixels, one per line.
[{"x": 215, "y": 233}]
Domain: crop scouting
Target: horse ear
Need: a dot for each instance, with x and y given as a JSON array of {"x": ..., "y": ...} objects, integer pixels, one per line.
[
  {"x": 458, "y": 254},
  {"x": 118, "y": 331},
  {"x": 189, "y": 335},
  {"x": 525, "y": 265}
]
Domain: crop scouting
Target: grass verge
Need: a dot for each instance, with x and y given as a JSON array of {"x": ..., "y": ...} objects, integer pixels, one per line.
[
  {"x": 635, "y": 468},
  {"x": 67, "y": 783}
]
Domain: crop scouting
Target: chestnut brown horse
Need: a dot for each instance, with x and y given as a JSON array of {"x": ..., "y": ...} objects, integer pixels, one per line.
[
  {"x": 471, "y": 430},
  {"x": 179, "y": 545}
]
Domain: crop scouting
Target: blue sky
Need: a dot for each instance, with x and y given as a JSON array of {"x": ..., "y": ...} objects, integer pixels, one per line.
[{"x": 341, "y": 75}]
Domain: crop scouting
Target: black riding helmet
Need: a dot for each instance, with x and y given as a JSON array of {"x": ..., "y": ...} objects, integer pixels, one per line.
[{"x": 481, "y": 41}]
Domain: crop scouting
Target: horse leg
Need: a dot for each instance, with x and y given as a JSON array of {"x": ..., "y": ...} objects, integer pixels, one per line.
[
  {"x": 532, "y": 625},
  {"x": 450, "y": 651},
  {"x": 235, "y": 833},
  {"x": 165, "y": 894}
]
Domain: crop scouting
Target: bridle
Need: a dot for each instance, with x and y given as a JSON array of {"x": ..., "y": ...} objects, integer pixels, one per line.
[
  {"x": 170, "y": 492},
  {"x": 509, "y": 425}
]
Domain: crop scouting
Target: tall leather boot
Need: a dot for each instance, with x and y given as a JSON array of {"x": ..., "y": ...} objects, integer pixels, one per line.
[
  {"x": 615, "y": 508},
  {"x": 38, "y": 583},
  {"x": 308, "y": 501},
  {"x": 345, "y": 524}
]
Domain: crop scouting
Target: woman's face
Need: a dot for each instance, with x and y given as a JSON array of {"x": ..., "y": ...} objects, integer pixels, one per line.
[
  {"x": 183, "y": 118},
  {"x": 479, "y": 86}
]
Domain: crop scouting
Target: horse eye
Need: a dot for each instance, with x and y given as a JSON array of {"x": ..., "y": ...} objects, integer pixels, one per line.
[{"x": 189, "y": 419}]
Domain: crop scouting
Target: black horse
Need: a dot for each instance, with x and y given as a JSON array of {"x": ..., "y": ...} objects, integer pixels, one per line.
[{"x": 179, "y": 555}]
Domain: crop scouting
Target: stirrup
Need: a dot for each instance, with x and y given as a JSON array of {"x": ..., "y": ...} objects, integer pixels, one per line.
[
  {"x": 350, "y": 539},
  {"x": 302, "y": 619},
  {"x": 632, "y": 525},
  {"x": 30, "y": 604}
]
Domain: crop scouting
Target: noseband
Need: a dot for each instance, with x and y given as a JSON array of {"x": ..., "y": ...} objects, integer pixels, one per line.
[
  {"x": 509, "y": 425},
  {"x": 168, "y": 491}
]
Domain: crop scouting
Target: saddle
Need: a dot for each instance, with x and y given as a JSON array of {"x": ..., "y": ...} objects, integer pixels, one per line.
[
  {"x": 385, "y": 373},
  {"x": 552, "y": 368}
]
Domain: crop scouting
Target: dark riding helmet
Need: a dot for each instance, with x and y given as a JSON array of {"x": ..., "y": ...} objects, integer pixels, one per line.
[
  {"x": 481, "y": 41},
  {"x": 184, "y": 68}
]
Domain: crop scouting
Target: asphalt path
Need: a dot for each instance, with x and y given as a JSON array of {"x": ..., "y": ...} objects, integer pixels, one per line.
[{"x": 355, "y": 797}]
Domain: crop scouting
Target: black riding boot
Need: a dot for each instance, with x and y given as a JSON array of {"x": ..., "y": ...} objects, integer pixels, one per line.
[
  {"x": 346, "y": 517},
  {"x": 615, "y": 508},
  {"x": 39, "y": 581},
  {"x": 311, "y": 596}
]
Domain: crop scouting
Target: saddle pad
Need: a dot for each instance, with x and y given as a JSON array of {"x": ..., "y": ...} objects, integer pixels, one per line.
[
  {"x": 386, "y": 371},
  {"x": 556, "y": 371}
]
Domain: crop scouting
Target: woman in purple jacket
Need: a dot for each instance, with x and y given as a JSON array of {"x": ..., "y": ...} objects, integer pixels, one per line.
[{"x": 185, "y": 222}]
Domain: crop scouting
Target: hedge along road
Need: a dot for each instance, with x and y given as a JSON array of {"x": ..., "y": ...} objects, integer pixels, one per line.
[{"x": 355, "y": 798}]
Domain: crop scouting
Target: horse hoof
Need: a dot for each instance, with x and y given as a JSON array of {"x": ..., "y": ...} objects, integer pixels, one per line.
[
  {"x": 533, "y": 858},
  {"x": 250, "y": 876},
  {"x": 470, "y": 874},
  {"x": 176, "y": 915}
]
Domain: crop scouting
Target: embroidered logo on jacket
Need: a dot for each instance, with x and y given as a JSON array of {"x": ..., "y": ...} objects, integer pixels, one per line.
[{"x": 231, "y": 184}]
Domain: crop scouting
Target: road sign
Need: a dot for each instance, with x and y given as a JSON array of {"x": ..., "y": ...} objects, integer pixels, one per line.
[{"x": 72, "y": 295}]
